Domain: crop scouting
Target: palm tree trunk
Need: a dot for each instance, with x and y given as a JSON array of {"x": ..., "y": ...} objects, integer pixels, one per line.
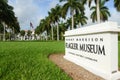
[
  {"x": 98, "y": 11},
  {"x": 72, "y": 20},
  {"x": 57, "y": 32},
  {"x": 52, "y": 30},
  {"x": 79, "y": 25},
  {"x": 46, "y": 35},
  {"x": 9, "y": 33},
  {"x": 4, "y": 31}
]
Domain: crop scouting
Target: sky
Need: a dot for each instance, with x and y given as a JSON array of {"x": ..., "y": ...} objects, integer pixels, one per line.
[{"x": 34, "y": 10}]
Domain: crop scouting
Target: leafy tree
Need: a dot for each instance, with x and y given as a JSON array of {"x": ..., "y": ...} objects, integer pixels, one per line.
[
  {"x": 44, "y": 26},
  {"x": 51, "y": 20},
  {"x": 62, "y": 29},
  {"x": 97, "y": 7},
  {"x": 57, "y": 18},
  {"x": 73, "y": 6},
  {"x": 1, "y": 28},
  {"x": 7, "y": 16},
  {"x": 37, "y": 30},
  {"x": 104, "y": 12},
  {"x": 81, "y": 19},
  {"x": 117, "y": 4},
  {"x": 29, "y": 33},
  {"x": 22, "y": 32}
]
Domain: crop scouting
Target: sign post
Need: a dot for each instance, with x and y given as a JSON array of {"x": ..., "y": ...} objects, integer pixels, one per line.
[{"x": 95, "y": 48}]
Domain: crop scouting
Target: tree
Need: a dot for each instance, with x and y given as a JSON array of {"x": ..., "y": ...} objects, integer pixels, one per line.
[
  {"x": 29, "y": 32},
  {"x": 44, "y": 26},
  {"x": 1, "y": 28},
  {"x": 97, "y": 7},
  {"x": 117, "y": 4},
  {"x": 104, "y": 12},
  {"x": 52, "y": 20},
  {"x": 57, "y": 18},
  {"x": 37, "y": 30},
  {"x": 7, "y": 16},
  {"x": 62, "y": 28},
  {"x": 22, "y": 32},
  {"x": 73, "y": 6},
  {"x": 81, "y": 19}
]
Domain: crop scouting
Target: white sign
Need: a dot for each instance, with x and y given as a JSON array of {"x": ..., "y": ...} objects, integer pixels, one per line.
[{"x": 95, "y": 48}]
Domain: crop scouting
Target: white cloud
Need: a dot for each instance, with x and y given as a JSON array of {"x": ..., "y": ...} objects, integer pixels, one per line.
[
  {"x": 115, "y": 16},
  {"x": 34, "y": 10},
  {"x": 26, "y": 11},
  {"x": 31, "y": 10},
  {"x": 53, "y": 4}
]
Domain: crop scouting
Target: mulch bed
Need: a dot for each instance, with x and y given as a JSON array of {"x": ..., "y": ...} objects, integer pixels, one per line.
[{"x": 74, "y": 71}]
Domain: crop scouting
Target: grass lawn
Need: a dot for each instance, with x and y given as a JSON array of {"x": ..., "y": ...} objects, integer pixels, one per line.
[{"x": 29, "y": 61}]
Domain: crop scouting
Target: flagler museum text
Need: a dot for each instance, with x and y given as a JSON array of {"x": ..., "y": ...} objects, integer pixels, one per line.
[{"x": 89, "y": 48}]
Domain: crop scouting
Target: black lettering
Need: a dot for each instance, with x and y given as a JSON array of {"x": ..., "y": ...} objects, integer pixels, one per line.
[
  {"x": 82, "y": 47},
  {"x": 101, "y": 51},
  {"x": 101, "y": 39}
]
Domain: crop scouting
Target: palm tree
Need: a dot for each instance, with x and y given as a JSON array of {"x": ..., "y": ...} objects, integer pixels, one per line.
[
  {"x": 45, "y": 26},
  {"x": 73, "y": 6},
  {"x": 52, "y": 20},
  {"x": 62, "y": 28},
  {"x": 57, "y": 17},
  {"x": 81, "y": 19},
  {"x": 117, "y": 4},
  {"x": 68, "y": 23},
  {"x": 54, "y": 16},
  {"x": 97, "y": 7},
  {"x": 104, "y": 13}
]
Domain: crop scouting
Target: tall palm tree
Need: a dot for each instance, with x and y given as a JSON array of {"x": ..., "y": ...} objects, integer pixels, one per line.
[
  {"x": 104, "y": 12},
  {"x": 81, "y": 19},
  {"x": 52, "y": 20},
  {"x": 57, "y": 18},
  {"x": 45, "y": 26},
  {"x": 62, "y": 28},
  {"x": 97, "y": 7},
  {"x": 68, "y": 23},
  {"x": 73, "y": 6},
  {"x": 117, "y": 4},
  {"x": 54, "y": 16}
]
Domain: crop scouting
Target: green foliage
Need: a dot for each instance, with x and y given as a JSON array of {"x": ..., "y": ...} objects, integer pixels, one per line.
[
  {"x": 29, "y": 61},
  {"x": 7, "y": 16},
  {"x": 1, "y": 28},
  {"x": 117, "y": 4},
  {"x": 22, "y": 32},
  {"x": 29, "y": 32},
  {"x": 104, "y": 12}
]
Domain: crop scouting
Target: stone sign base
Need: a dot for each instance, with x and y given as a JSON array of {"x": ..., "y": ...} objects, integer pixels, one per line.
[
  {"x": 95, "y": 48},
  {"x": 115, "y": 76}
]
